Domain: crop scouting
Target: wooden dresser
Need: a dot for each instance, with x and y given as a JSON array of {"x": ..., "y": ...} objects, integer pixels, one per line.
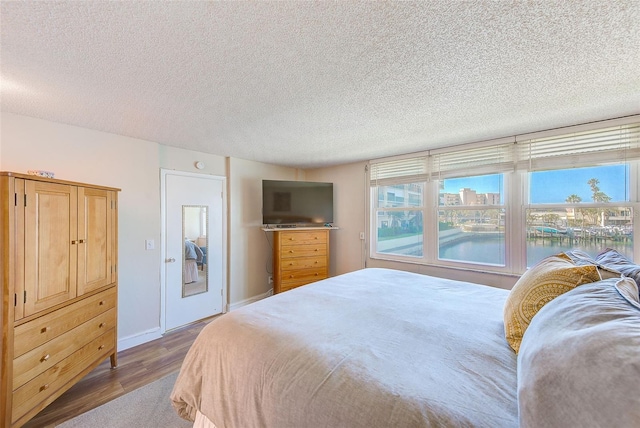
[
  {"x": 59, "y": 288},
  {"x": 300, "y": 256}
]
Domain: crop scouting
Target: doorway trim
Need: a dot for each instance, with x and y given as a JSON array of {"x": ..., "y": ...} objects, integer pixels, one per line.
[{"x": 163, "y": 247}]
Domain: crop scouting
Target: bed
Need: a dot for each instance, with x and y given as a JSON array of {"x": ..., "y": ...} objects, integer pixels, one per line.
[
  {"x": 387, "y": 348},
  {"x": 193, "y": 255}
]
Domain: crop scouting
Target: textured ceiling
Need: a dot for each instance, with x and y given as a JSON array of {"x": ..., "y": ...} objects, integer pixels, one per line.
[{"x": 312, "y": 84}]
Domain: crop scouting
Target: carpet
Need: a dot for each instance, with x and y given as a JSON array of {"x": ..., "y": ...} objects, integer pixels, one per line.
[{"x": 145, "y": 407}]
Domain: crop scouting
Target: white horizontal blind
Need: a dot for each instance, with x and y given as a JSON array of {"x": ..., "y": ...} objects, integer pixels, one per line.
[
  {"x": 473, "y": 161},
  {"x": 400, "y": 171},
  {"x": 586, "y": 148},
  {"x": 555, "y": 149}
]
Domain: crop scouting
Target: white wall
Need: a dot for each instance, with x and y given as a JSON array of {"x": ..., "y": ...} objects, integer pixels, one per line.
[
  {"x": 133, "y": 165},
  {"x": 250, "y": 257},
  {"x": 347, "y": 249}
]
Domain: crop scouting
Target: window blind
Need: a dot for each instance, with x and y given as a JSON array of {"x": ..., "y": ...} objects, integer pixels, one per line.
[
  {"x": 400, "y": 171},
  {"x": 595, "y": 144},
  {"x": 586, "y": 148},
  {"x": 473, "y": 161}
]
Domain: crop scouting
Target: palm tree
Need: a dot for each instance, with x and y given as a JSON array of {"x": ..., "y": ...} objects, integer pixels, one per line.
[
  {"x": 575, "y": 199},
  {"x": 598, "y": 196}
]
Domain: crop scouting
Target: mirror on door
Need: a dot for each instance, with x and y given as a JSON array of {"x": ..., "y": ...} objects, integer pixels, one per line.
[{"x": 194, "y": 259}]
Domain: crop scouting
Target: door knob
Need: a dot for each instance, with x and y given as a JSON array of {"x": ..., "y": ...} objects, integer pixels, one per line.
[{"x": 171, "y": 260}]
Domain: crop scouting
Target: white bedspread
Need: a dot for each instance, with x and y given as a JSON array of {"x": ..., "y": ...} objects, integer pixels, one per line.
[{"x": 372, "y": 348}]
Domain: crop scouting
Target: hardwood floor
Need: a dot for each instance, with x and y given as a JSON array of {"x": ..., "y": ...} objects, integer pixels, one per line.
[{"x": 137, "y": 367}]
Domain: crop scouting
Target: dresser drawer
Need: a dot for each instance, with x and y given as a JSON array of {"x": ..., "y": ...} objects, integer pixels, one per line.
[
  {"x": 302, "y": 251},
  {"x": 297, "y": 263},
  {"x": 308, "y": 275},
  {"x": 34, "y": 333},
  {"x": 290, "y": 284},
  {"x": 32, "y": 363},
  {"x": 303, "y": 238},
  {"x": 46, "y": 384}
]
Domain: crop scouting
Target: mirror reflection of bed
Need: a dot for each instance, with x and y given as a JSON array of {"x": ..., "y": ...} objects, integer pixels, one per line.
[
  {"x": 194, "y": 263},
  {"x": 195, "y": 278}
]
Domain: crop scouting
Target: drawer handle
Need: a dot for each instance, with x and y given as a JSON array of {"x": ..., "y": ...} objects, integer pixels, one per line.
[
  {"x": 74, "y": 242},
  {"x": 45, "y": 358},
  {"x": 81, "y": 241},
  {"x": 100, "y": 348},
  {"x": 43, "y": 387},
  {"x": 102, "y": 324},
  {"x": 44, "y": 329},
  {"x": 291, "y": 251},
  {"x": 315, "y": 249},
  {"x": 290, "y": 239},
  {"x": 290, "y": 276},
  {"x": 101, "y": 303},
  {"x": 316, "y": 274}
]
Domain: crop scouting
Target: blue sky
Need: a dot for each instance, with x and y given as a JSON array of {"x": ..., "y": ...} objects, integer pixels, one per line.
[{"x": 555, "y": 186}]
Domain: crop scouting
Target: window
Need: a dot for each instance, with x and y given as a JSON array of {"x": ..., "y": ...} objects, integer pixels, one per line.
[
  {"x": 582, "y": 208},
  {"x": 505, "y": 204},
  {"x": 399, "y": 228},
  {"x": 471, "y": 219}
]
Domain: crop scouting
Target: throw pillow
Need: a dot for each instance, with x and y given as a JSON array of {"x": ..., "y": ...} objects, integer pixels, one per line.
[
  {"x": 612, "y": 259},
  {"x": 579, "y": 364},
  {"x": 550, "y": 278}
]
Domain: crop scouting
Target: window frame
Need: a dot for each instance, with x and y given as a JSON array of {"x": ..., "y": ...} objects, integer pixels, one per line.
[{"x": 516, "y": 204}]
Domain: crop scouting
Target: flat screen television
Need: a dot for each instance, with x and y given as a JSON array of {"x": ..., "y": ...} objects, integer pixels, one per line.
[{"x": 291, "y": 203}]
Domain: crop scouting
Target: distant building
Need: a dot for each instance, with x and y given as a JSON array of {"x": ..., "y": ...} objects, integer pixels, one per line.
[{"x": 468, "y": 196}]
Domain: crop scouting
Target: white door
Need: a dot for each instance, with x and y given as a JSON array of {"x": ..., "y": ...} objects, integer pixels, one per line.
[{"x": 193, "y": 247}]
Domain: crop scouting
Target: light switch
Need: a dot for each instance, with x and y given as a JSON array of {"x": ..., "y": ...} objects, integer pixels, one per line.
[{"x": 149, "y": 244}]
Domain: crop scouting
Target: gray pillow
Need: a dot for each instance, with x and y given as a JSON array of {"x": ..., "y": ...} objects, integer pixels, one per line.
[
  {"x": 612, "y": 259},
  {"x": 579, "y": 361}
]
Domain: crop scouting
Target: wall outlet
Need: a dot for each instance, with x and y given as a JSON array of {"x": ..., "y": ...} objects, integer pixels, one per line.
[
  {"x": 362, "y": 236},
  {"x": 149, "y": 244},
  {"x": 270, "y": 280}
]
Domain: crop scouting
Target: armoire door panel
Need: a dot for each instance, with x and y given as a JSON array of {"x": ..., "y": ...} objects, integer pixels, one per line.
[
  {"x": 50, "y": 245},
  {"x": 19, "y": 249},
  {"x": 95, "y": 240}
]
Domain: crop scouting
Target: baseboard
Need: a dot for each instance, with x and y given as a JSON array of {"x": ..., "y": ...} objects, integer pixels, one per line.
[
  {"x": 139, "y": 339},
  {"x": 245, "y": 302}
]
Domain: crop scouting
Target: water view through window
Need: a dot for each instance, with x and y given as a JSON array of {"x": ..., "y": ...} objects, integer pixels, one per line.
[{"x": 579, "y": 208}]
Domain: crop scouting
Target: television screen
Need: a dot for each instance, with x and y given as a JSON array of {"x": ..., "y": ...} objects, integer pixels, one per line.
[{"x": 296, "y": 202}]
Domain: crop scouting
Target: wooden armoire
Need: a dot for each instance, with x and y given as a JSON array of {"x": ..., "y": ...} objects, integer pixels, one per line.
[{"x": 58, "y": 313}]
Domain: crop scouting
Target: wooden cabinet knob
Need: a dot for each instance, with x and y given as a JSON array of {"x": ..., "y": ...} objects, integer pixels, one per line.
[
  {"x": 43, "y": 387},
  {"x": 101, "y": 303},
  {"x": 100, "y": 348},
  {"x": 45, "y": 358},
  {"x": 102, "y": 324},
  {"x": 44, "y": 329}
]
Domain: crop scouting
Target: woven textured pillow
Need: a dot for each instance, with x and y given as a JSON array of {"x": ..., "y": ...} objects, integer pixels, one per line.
[{"x": 551, "y": 277}]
